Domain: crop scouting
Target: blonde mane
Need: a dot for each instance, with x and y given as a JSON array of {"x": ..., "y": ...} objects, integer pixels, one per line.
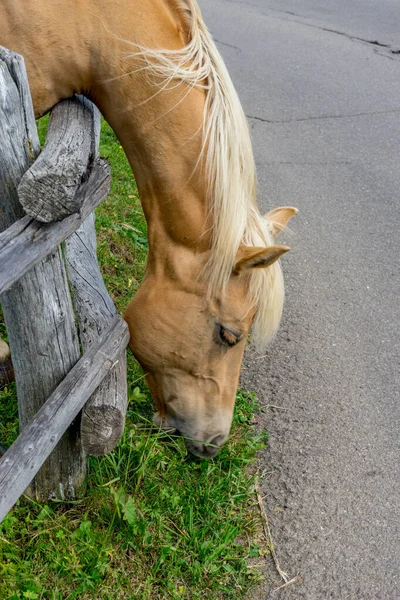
[{"x": 230, "y": 168}]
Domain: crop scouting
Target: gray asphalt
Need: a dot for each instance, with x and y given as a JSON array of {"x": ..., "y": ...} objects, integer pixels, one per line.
[{"x": 320, "y": 83}]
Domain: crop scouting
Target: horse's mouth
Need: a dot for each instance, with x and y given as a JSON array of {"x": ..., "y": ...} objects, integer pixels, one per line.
[
  {"x": 196, "y": 447},
  {"x": 202, "y": 450}
]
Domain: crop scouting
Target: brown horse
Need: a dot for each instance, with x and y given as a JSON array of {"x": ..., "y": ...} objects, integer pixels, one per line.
[{"x": 154, "y": 72}]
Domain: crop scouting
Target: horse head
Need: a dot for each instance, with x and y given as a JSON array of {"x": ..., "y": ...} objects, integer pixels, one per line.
[{"x": 191, "y": 344}]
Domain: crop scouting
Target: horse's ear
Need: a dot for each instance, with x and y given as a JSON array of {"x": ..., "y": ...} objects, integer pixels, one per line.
[
  {"x": 280, "y": 217},
  {"x": 254, "y": 257}
]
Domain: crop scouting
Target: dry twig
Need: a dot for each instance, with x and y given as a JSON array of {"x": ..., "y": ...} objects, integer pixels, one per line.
[
  {"x": 267, "y": 533},
  {"x": 294, "y": 580}
]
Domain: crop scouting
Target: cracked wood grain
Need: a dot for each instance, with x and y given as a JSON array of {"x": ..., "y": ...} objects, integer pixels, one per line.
[
  {"x": 103, "y": 417},
  {"x": 48, "y": 190}
]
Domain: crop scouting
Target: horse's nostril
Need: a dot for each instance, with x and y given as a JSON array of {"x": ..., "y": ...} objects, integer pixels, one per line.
[
  {"x": 209, "y": 451},
  {"x": 218, "y": 441},
  {"x": 212, "y": 447}
]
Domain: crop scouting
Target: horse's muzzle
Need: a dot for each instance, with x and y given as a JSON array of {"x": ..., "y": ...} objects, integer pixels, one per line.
[{"x": 207, "y": 449}]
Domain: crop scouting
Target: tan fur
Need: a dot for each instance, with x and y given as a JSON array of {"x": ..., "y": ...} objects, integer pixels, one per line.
[
  {"x": 279, "y": 217},
  {"x": 252, "y": 257},
  {"x": 177, "y": 128}
]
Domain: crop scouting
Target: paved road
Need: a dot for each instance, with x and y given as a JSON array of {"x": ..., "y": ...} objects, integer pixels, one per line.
[{"x": 320, "y": 83}]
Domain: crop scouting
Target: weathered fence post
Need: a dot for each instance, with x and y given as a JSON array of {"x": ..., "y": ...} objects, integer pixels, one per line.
[
  {"x": 42, "y": 331},
  {"x": 48, "y": 192},
  {"x": 103, "y": 417}
]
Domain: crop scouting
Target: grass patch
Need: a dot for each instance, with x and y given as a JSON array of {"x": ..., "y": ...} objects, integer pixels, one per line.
[{"x": 156, "y": 523}]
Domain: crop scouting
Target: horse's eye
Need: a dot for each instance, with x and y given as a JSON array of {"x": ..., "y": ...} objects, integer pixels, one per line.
[{"x": 228, "y": 337}]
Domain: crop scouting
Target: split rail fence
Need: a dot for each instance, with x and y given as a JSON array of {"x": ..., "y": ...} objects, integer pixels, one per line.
[{"x": 53, "y": 297}]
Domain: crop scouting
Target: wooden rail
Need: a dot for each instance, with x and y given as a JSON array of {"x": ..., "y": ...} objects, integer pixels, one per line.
[{"x": 25, "y": 457}]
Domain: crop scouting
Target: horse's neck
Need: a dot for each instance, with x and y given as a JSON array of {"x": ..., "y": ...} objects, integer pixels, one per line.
[
  {"x": 160, "y": 133},
  {"x": 160, "y": 130},
  {"x": 162, "y": 137}
]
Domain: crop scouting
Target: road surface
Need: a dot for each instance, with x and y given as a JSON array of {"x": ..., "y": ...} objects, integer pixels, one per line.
[{"x": 320, "y": 84}]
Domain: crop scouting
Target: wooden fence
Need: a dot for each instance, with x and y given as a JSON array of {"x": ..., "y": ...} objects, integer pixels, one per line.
[{"x": 53, "y": 298}]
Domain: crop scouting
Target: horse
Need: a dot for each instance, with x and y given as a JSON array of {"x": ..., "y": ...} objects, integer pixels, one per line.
[{"x": 212, "y": 272}]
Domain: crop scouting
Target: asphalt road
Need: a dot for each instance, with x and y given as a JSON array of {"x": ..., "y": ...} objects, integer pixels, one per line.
[{"x": 320, "y": 83}]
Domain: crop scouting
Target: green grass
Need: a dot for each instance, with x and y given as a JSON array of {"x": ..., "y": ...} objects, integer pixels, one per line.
[{"x": 156, "y": 523}]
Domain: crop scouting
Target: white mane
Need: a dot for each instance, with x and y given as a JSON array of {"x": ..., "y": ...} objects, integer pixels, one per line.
[{"x": 230, "y": 169}]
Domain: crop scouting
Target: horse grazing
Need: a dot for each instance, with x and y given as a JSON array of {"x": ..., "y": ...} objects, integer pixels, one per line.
[{"x": 154, "y": 72}]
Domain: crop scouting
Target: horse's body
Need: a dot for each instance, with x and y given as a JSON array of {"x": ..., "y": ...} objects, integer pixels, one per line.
[{"x": 180, "y": 123}]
